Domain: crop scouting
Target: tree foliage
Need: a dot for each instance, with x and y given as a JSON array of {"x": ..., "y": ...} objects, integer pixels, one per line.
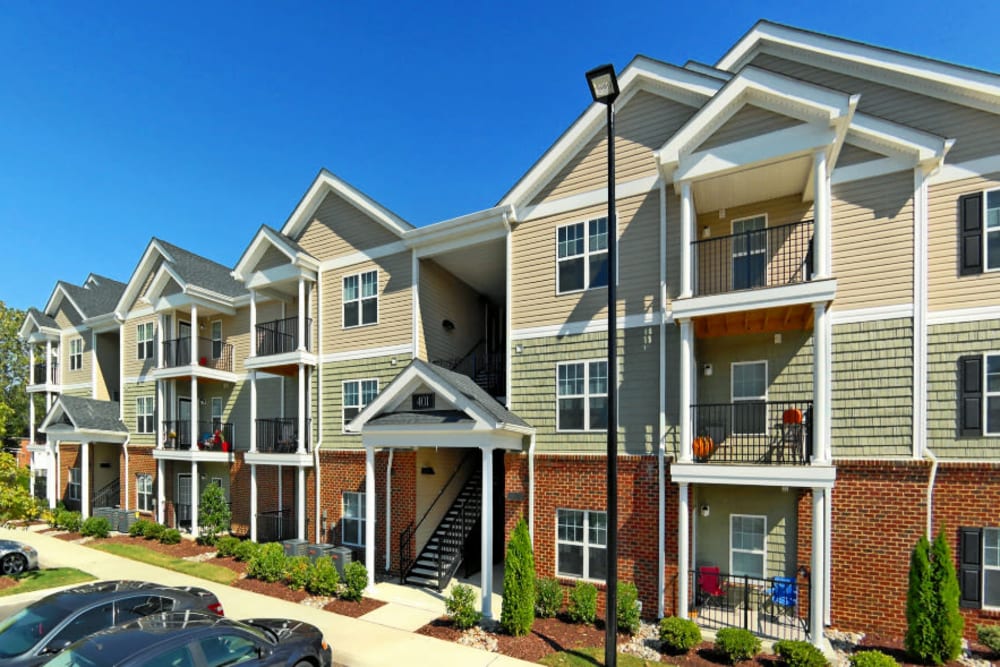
[
  {"x": 518, "y": 613},
  {"x": 920, "y": 631},
  {"x": 13, "y": 374},
  {"x": 934, "y": 623},
  {"x": 16, "y": 501},
  {"x": 214, "y": 516},
  {"x": 949, "y": 621}
]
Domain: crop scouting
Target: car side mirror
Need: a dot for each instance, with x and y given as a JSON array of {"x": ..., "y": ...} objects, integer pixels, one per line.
[
  {"x": 263, "y": 652},
  {"x": 55, "y": 646}
]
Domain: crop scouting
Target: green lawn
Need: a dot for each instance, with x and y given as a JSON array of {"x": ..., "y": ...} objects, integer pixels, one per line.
[
  {"x": 36, "y": 580},
  {"x": 590, "y": 657},
  {"x": 216, "y": 573}
]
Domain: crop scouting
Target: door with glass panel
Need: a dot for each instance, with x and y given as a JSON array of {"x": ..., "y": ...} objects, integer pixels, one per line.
[{"x": 749, "y": 253}]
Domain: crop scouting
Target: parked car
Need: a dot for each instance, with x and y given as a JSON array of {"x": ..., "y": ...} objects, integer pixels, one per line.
[
  {"x": 40, "y": 630},
  {"x": 200, "y": 640},
  {"x": 16, "y": 557}
]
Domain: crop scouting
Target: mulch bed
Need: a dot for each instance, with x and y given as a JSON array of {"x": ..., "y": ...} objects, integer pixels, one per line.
[
  {"x": 353, "y": 609},
  {"x": 894, "y": 647},
  {"x": 7, "y": 582},
  {"x": 275, "y": 590}
]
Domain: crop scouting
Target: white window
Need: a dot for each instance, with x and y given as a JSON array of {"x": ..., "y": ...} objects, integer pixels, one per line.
[
  {"x": 992, "y": 402},
  {"x": 216, "y": 413},
  {"x": 73, "y": 488},
  {"x": 749, "y": 252},
  {"x": 144, "y": 492},
  {"x": 361, "y": 299},
  {"x": 749, "y": 394},
  {"x": 357, "y": 395},
  {"x": 144, "y": 414},
  {"x": 352, "y": 522},
  {"x": 992, "y": 231},
  {"x": 144, "y": 336},
  {"x": 582, "y": 396},
  {"x": 747, "y": 552},
  {"x": 991, "y": 567},
  {"x": 582, "y": 256},
  {"x": 76, "y": 354},
  {"x": 581, "y": 544},
  {"x": 217, "y": 339}
]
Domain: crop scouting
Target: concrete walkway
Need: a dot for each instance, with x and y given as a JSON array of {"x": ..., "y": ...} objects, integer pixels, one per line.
[{"x": 382, "y": 637}]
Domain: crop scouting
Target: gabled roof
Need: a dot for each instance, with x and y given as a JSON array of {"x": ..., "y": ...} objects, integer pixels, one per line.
[
  {"x": 268, "y": 236},
  {"x": 40, "y": 321},
  {"x": 96, "y": 298},
  {"x": 84, "y": 416}
]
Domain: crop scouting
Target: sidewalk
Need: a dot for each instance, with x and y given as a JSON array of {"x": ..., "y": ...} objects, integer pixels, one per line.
[{"x": 382, "y": 637}]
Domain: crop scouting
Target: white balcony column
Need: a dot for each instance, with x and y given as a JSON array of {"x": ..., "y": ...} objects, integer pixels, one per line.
[
  {"x": 253, "y": 412},
  {"x": 50, "y": 479},
  {"x": 303, "y": 431},
  {"x": 195, "y": 494},
  {"x": 31, "y": 414},
  {"x": 194, "y": 413},
  {"x": 85, "y": 479},
  {"x": 253, "y": 323},
  {"x": 302, "y": 315},
  {"x": 31, "y": 364},
  {"x": 48, "y": 371},
  {"x": 822, "y": 215},
  {"x": 370, "y": 515},
  {"x": 161, "y": 490},
  {"x": 300, "y": 497},
  {"x": 159, "y": 338},
  {"x": 683, "y": 549},
  {"x": 686, "y": 364},
  {"x": 821, "y": 384},
  {"x": 687, "y": 226},
  {"x": 194, "y": 335},
  {"x": 817, "y": 580},
  {"x": 160, "y": 413},
  {"x": 253, "y": 502},
  {"x": 487, "y": 533}
]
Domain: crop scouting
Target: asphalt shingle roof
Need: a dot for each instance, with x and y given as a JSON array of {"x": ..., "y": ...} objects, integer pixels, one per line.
[
  {"x": 291, "y": 243},
  {"x": 472, "y": 391},
  {"x": 95, "y": 300},
  {"x": 203, "y": 272},
  {"x": 42, "y": 319},
  {"x": 421, "y": 417},
  {"x": 92, "y": 414}
]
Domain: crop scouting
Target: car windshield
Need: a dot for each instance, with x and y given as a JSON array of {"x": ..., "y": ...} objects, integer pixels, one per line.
[
  {"x": 73, "y": 657},
  {"x": 24, "y": 629}
]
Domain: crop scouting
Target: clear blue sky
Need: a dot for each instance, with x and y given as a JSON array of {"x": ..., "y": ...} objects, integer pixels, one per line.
[{"x": 197, "y": 122}]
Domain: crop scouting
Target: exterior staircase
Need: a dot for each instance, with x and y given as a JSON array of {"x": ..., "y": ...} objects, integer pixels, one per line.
[{"x": 108, "y": 495}]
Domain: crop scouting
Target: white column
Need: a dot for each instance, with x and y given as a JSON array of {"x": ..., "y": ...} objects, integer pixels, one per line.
[
  {"x": 48, "y": 371},
  {"x": 686, "y": 362},
  {"x": 194, "y": 335},
  {"x": 253, "y": 323},
  {"x": 370, "y": 515},
  {"x": 687, "y": 223},
  {"x": 161, "y": 490},
  {"x": 300, "y": 495},
  {"x": 159, "y": 337},
  {"x": 821, "y": 383},
  {"x": 31, "y": 364},
  {"x": 160, "y": 413},
  {"x": 302, "y": 315},
  {"x": 817, "y": 583},
  {"x": 303, "y": 432},
  {"x": 51, "y": 483},
  {"x": 31, "y": 414},
  {"x": 195, "y": 493},
  {"x": 253, "y": 502},
  {"x": 821, "y": 185},
  {"x": 487, "y": 535},
  {"x": 253, "y": 411},
  {"x": 85, "y": 479},
  {"x": 683, "y": 549},
  {"x": 194, "y": 413}
]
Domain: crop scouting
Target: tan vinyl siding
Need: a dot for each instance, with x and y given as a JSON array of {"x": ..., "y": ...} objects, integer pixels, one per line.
[
  {"x": 131, "y": 392},
  {"x": 272, "y": 258},
  {"x": 533, "y": 389},
  {"x": 948, "y": 290},
  {"x": 750, "y": 121},
  {"x": 444, "y": 462},
  {"x": 338, "y": 228},
  {"x": 83, "y": 374},
  {"x": 395, "y": 309},
  {"x": 643, "y": 125},
  {"x": 66, "y": 315},
  {"x": 108, "y": 361},
  {"x": 872, "y": 395},
  {"x": 945, "y": 344},
  {"x": 235, "y": 408},
  {"x": 147, "y": 280},
  {"x": 977, "y": 133},
  {"x": 873, "y": 242},
  {"x": 235, "y": 332},
  {"x": 534, "y": 298},
  {"x": 789, "y": 365},
  {"x": 133, "y": 366},
  {"x": 445, "y": 297},
  {"x": 334, "y": 375},
  {"x": 850, "y": 154}
]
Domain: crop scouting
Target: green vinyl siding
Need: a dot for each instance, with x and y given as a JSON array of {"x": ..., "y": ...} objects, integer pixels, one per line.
[
  {"x": 235, "y": 408},
  {"x": 131, "y": 392},
  {"x": 338, "y": 372}
]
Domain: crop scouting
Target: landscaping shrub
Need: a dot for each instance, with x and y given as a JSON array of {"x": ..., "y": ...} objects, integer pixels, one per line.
[
  {"x": 989, "y": 636},
  {"x": 154, "y": 532},
  {"x": 268, "y": 564},
  {"x": 872, "y": 659},
  {"x": 226, "y": 545},
  {"x": 71, "y": 521},
  {"x": 323, "y": 578},
  {"x": 170, "y": 536},
  {"x": 95, "y": 526},
  {"x": 355, "y": 581},
  {"x": 628, "y": 608},
  {"x": 245, "y": 550},
  {"x": 138, "y": 529},
  {"x": 679, "y": 635},
  {"x": 948, "y": 621},
  {"x": 461, "y": 607},
  {"x": 800, "y": 654},
  {"x": 296, "y": 572},
  {"x": 548, "y": 597},
  {"x": 583, "y": 602},
  {"x": 736, "y": 644},
  {"x": 934, "y": 624},
  {"x": 518, "y": 611},
  {"x": 214, "y": 515}
]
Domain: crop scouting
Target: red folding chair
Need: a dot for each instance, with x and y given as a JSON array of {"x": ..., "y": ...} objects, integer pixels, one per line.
[{"x": 711, "y": 587}]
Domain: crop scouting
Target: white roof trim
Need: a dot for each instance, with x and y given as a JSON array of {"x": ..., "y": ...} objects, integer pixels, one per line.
[
  {"x": 145, "y": 264},
  {"x": 883, "y": 136},
  {"x": 53, "y": 302},
  {"x": 258, "y": 246},
  {"x": 25, "y": 329}
]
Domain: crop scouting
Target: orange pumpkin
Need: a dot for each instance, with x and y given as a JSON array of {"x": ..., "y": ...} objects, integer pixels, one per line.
[
  {"x": 791, "y": 416},
  {"x": 703, "y": 447}
]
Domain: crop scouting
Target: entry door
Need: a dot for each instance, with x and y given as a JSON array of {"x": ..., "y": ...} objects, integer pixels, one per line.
[
  {"x": 184, "y": 421},
  {"x": 749, "y": 253},
  {"x": 183, "y": 504},
  {"x": 183, "y": 343}
]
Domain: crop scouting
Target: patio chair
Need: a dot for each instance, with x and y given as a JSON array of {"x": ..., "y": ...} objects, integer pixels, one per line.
[
  {"x": 781, "y": 601},
  {"x": 711, "y": 590}
]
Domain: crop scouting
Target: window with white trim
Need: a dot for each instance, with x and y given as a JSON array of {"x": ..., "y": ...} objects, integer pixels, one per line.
[
  {"x": 144, "y": 492},
  {"x": 352, "y": 522},
  {"x": 747, "y": 545},
  {"x": 361, "y": 299},
  {"x": 216, "y": 413},
  {"x": 73, "y": 487},
  {"x": 749, "y": 395},
  {"x": 76, "y": 354},
  {"x": 992, "y": 230},
  {"x": 581, "y": 544},
  {"x": 582, "y": 256},
  {"x": 144, "y": 341},
  {"x": 357, "y": 395},
  {"x": 992, "y": 402},
  {"x": 144, "y": 414},
  {"x": 217, "y": 339},
  {"x": 991, "y": 567},
  {"x": 582, "y": 396}
]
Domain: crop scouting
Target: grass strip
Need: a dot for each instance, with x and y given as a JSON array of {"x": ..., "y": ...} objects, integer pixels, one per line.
[
  {"x": 590, "y": 657},
  {"x": 216, "y": 573},
  {"x": 36, "y": 580}
]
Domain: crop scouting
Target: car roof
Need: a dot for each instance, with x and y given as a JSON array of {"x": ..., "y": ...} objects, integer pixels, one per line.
[{"x": 86, "y": 594}]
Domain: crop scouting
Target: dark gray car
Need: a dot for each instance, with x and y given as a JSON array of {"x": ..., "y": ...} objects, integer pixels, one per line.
[{"x": 42, "y": 629}]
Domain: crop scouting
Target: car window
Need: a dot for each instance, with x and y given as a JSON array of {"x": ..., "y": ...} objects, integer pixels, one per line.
[
  {"x": 177, "y": 657},
  {"x": 23, "y": 630},
  {"x": 132, "y": 608},
  {"x": 87, "y": 623},
  {"x": 229, "y": 649}
]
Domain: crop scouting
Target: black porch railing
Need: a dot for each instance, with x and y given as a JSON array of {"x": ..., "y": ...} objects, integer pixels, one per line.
[
  {"x": 38, "y": 374},
  {"x": 277, "y": 525},
  {"x": 487, "y": 368},
  {"x": 775, "y": 608},
  {"x": 214, "y": 354},
  {"x": 750, "y": 260},
  {"x": 753, "y": 432},
  {"x": 40, "y": 438},
  {"x": 279, "y": 336},
  {"x": 280, "y": 435},
  {"x": 177, "y": 435}
]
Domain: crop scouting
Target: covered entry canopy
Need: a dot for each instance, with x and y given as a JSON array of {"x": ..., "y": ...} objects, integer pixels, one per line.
[{"x": 78, "y": 419}]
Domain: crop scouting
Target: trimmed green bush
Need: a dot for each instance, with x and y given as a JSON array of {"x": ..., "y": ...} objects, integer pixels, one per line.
[
  {"x": 461, "y": 607},
  {"x": 934, "y": 625},
  {"x": 948, "y": 619},
  {"x": 583, "y": 603},
  {"x": 214, "y": 515},
  {"x": 989, "y": 636},
  {"x": 245, "y": 550},
  {"x": 355, "y": 581},
  {"x": 873, "y": 659},
  {"x": 548, "y": 597},
  {"x": 296, "y": 572},
  {"x": 268, "y": 564},
  {"x": 628, "y": 608},
  {"x": 800, "y": 654},
  {"x": 518, "y": 611},
  {"x": 95, "y": 526},
  {"x": 736, "y": 644},
  {"x": 138, "y": 529},
  {"x": 226, "y": 545},
  {"x": 323, "y": 578},
  {"x": 170, "y": 536},
  {"x": 71, "y": 521},
  {"x": 154, "y": 532},
  {"x": 679, "y": 635}
]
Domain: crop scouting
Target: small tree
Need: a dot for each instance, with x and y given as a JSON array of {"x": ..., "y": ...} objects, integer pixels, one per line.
[
  {"x": 948, "y": 622},
  {"x": 16, "y": 501},
  {"x": 919, "y": 638},
  {"x": 934, "y": 623},
  {"x": 518, "y": 612},
  {"x": 214, "y": 515}
]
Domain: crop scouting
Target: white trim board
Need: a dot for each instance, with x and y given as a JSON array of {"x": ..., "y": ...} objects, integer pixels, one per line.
[
  {"x": 360, "y": 256},
  {"x": 596, "y": 197},
  {"x": 589, "y": 326},
  {"x": 963, "y": 170},
  {"x": 874, "y": 314},
  {"x": 392, "y": 350},
  {"x": 960, "y": 315}
]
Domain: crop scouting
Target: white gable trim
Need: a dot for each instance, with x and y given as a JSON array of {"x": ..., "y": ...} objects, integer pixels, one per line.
[
  {"x": 138, "y": 276},
  {"x": 58, "y": 294},
  {"x": 892, "y": 139},
  {"x": 264, "y": 239}
]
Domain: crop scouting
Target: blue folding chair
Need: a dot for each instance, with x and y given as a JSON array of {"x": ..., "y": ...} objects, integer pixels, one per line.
[{"x": 781, "y": 599}]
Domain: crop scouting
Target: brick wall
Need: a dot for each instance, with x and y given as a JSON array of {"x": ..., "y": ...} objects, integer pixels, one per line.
[
  {"x": 140, "y": 460},
  {"x": 69, "y": 457}
]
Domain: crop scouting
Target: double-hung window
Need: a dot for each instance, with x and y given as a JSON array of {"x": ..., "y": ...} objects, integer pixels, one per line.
[
  {"x": 73, "y": 488},
  {"x": 992, "y": 230},
  {"x": 991, "y": 567},
  {"x": 749, "y": 393},
  {"x": 582, "y": 396},
  {"x": 216, "y": 413},
  {"x": 144, "y": 492},
  {"x": 747, "y": 550},
  {"x": 352, "y": 522},
  {"x": 144, "y": 338},
  {"x": 357, "y": 395},
  {"x": 992, "y": 394},
  {"x": 76, "y": 354},
  {"x": 581, "y": 544},
  {"x": 979, "y": 567},
  {"x": 361, "y": 299},
  {"x": 144, "y": 414},
  {"x": 217, "y": 339},
  {"x": 582, "y": 256}
]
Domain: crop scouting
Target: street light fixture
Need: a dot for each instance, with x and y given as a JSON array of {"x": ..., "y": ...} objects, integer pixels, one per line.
[{"x": 604, "y": 89}]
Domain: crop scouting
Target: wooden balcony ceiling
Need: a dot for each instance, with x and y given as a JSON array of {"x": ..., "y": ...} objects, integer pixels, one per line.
[{"x": 798, "y": 317}]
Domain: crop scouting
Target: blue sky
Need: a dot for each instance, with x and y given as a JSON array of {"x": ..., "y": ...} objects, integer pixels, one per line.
[{"x": 197, "y": 122}]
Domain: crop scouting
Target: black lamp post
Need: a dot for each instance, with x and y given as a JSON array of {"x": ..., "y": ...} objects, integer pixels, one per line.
[{"x": 604, "y": 89}]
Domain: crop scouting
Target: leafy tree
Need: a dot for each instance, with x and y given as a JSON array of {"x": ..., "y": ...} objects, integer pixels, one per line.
[
  {"x": 214, "y": 515},
  {"x": 948, "y": 622},
  {"x": 518, "y": 612},
  {"x": 920, "y": 603},
  {"x": 16, "y": 501},
  {"x": 13, "y": 374}
]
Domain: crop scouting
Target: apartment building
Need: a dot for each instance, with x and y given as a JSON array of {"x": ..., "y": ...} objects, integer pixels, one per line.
[{"x": 808, "y": 236}]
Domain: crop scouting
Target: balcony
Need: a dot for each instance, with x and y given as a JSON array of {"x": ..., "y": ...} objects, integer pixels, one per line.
[
  {"x": 774, "y": 608},
  {"x": 207, "y": 440},
  {"x": 280, "y": 336},
  {"x": 771, "y": 257},
  {"x": 42, "y": 382},
  {"x": 753, "y": 432},
  {"x": 281, "y": 435},
  {"x": 214, "y": 360}
]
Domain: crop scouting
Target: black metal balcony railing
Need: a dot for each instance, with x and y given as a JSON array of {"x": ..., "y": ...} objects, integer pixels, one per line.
[
  {"x": 776, "y": 608},
  {"x": 279, "y": 336},
  {"x": 753, "y": 432},
  {"x": 40, "y": 438},
  {"x": 277, "y": 525},
  {"x": 38, "y": 374},
  {"x": 280, "y": 435},
  {"x": 177, "y": 435},
  {"x": 768, "y": 257},
  {"x": 211, "y": 353}
]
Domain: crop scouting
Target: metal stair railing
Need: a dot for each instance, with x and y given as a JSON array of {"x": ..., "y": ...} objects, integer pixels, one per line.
[
  {"x": 452, "y": 541},
  {"x": 108, "y": 495}
]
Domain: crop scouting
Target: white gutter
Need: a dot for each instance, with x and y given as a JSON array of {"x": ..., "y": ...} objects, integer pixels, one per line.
[
  {"x": 661, "y": 445},
  {"x": 125, "y": 454},
  {"x": 319, "y": 399},
  {"x": 388, "y": 511},
  {"x": 531, "y": 489},
  {"x": 930, "y": 491}
]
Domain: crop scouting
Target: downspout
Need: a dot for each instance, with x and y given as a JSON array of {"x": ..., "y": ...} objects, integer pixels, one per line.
[
  {"x": 319, "y": 399},
  {"x": 930, "y": 490},
  {"x": 531, "y": 488},
  {"x": 388, "y": 512},
  {"x": 125, "y": 454},
  {"x": 661, "y": 443}
]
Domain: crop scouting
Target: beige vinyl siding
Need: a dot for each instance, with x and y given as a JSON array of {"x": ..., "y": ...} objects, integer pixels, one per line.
[
  {"x": 749, "y": 121},
  {"x": 872, "y": 394},
  {"x": 133, "y": 366},
  {"x": 643, "y": 125},
  {"x": 66, "y": 315},
  {"x": 108, "y": 359},
  {"x": 131, "y": 392},
  {"x": 104, "y": 462},
  {"x": 147, "y": 280},
  {"x": 395, "y": 308},
  {"x": 789, "y": 365},
  {"x": 444, "y": 462},
  {"x": 534, "y": 298},
  {"x": 873, "y": 242},
  {"x": 948, "y": 290},
  {"x": 945, "y": 344},
  {"x": 445, "y": 297},
  {"x": 334, "y": 375},
  {"x": 235, "y": 332},
  {"x": 83, "y": 374},
  {"x": 338, "y": 228},
  {"x": 977, "y": 133},
  {"x": 850, "y": 154},
  {"x": 533, "y": 389},
  {"x": 272, "y": 258},
  {"x": 235, "y": 408}
]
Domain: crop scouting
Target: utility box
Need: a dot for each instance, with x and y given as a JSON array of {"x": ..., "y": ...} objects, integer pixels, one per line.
[
  {"x": 295, "y": 547},
  {"x": 316, "y": 551},
  {"x": 340, "y": 556},
  {"x": 125, "y": 520}
]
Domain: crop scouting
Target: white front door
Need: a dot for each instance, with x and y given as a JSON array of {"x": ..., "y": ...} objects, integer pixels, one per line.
[{"x": 183, "y": 504}]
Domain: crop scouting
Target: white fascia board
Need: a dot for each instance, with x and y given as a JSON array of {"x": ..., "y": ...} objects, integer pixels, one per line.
[
  {"x": 276, "y": 274},
  {"x": 25, "y": 331},
  {"x": 267, "y": 237},
  {"x": 468, "y": 229},
  {"x": 55, "y": 414},
  {"x": 138, "y": 275},
  {"x": 708, "y": 70},
  {"x": 163, "y": 276},
  {"x": 404, "y": 350},
  {"x": 816, "y": 291},
  {"x": 188, "y": 298},
  {"x": 195, "y": 454},
  {"x": 283, "y": 359},
  {"x": 407, "y": 439},
  {"x": 970, "y": 169},
  {"x": 638, "y": 186},
  {"x": 961, "y": 315},
  {"x": 60, "y": 293},
  {"x": 870, "y": 169},
  {"x": 577, "y": 328},
  {"x": 876, "y": 134},
  {"x": 263, "y": 458},
  {"x": 360, "y": 256},
  {"x": 196, "y": 370},
  {"x": 44, "y": 334},
  {"x": 810, "y": 476},
  {"x": 103, "y": 323}
]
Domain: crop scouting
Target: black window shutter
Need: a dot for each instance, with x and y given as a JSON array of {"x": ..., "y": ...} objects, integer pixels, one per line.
[
  {"x": 970, "y": 234},
  {"x": 970, "y": 549},
  {"x": 970, "y": 396}
]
